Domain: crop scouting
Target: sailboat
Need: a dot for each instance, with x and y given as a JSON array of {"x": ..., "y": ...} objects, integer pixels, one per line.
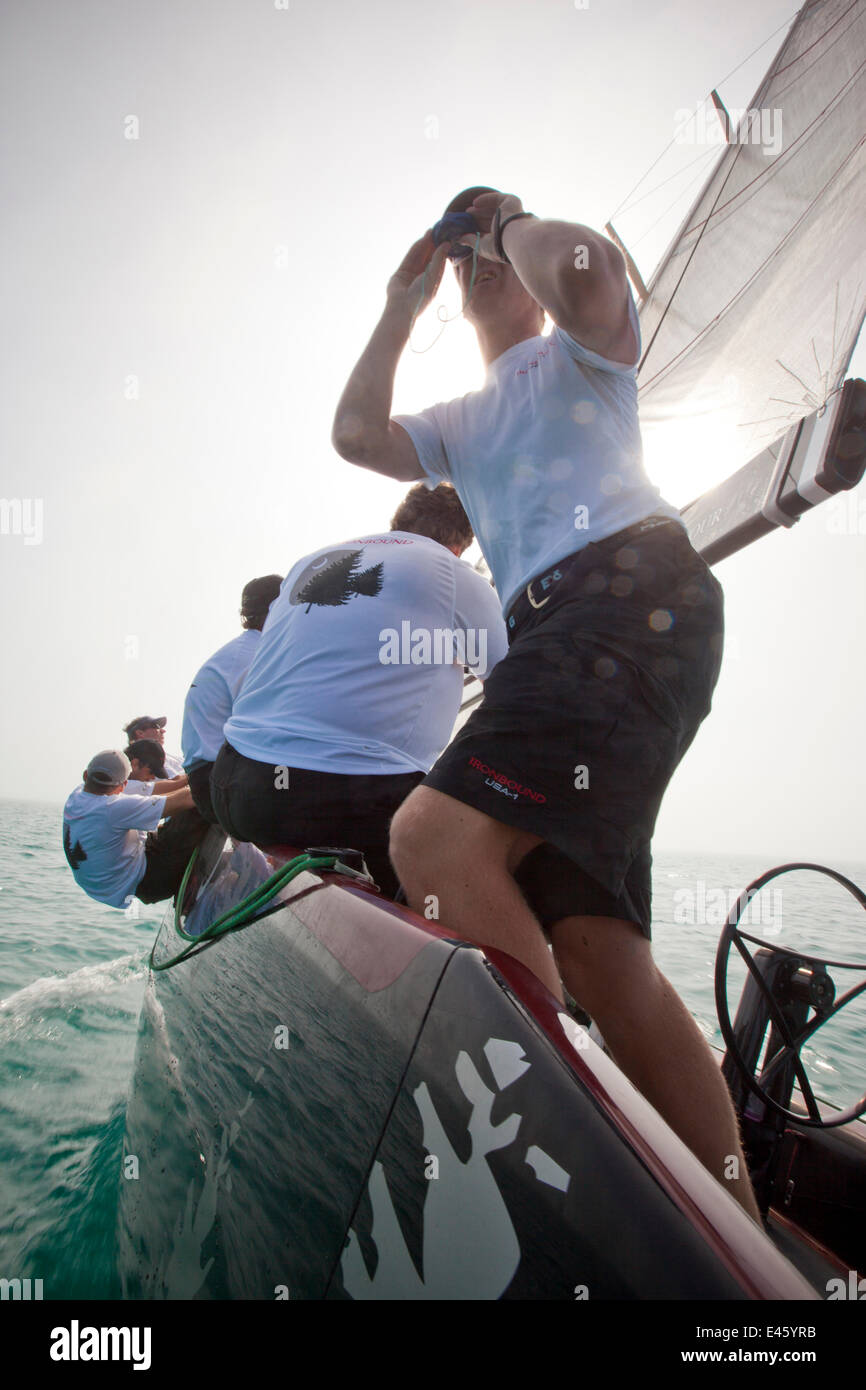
[{"x": 334, "y": 1098}]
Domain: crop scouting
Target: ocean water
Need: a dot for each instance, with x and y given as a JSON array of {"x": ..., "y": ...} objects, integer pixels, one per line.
[{"x": 72, "y": 976}]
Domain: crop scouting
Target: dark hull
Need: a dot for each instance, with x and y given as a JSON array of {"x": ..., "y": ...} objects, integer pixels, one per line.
[{"x": 340, "y": 1102}]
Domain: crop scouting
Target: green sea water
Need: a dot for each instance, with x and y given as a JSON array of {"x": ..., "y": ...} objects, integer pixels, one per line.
[{"x": 72, "y": 976}]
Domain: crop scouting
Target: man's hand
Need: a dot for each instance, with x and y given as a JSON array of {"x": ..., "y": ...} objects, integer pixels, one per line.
[
  {"x": 573, "y": 272},
  {"x": 415, "y": 282},
  {"x": 484, "y": 211}
]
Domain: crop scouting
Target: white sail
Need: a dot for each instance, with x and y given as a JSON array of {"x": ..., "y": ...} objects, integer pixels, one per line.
[{"x": 753, "y": 313}]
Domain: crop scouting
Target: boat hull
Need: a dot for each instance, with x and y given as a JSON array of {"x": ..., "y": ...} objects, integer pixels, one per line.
[{"x": 338, "y": 1101}]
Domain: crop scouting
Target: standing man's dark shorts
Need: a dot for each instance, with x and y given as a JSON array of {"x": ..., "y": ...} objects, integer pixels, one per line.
[{"x": 614, "y": 654}]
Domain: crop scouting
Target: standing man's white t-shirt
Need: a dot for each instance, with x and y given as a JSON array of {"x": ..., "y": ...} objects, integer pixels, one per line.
[
  {"x": 355, "y": 672},
  {"x": 546, "y": 457}
]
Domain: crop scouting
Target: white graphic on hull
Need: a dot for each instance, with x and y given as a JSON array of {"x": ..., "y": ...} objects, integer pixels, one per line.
[
  {"x": 470, "y": 1248},
  {"x": 546, "y": 1170},
  {"x": 506, "y": 1059},
  {"x": 184, "y": 1273}
]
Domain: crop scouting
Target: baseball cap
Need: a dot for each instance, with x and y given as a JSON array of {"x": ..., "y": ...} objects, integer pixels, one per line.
[
  {"x": 144, "y": 721},
  {"x": 463, "y": 201},
  {"x": 109, "y": 768}
]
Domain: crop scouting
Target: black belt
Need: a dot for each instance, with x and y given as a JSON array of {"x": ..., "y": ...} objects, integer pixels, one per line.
[{"x": 539, "y": 589}]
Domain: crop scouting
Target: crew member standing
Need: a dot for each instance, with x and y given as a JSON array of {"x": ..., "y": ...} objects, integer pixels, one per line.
[{"x": 615, "y": 628}]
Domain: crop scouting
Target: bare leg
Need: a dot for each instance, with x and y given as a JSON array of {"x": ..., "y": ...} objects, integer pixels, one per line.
[
  {"x": 442, "y": 847},
  {"x": 608, "y": 966}
]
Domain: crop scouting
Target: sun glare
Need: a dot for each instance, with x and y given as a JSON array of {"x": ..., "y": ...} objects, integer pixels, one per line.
[{"x": 684, "y": 458}]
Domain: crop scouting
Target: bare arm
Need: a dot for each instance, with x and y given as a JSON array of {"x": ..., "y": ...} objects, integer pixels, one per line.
[
  {"x": 168, "y": 785},
  {"x": 178, "y": 801},
  {"x": 576, "y": 274},
  {"x": 363, "y": 431}
]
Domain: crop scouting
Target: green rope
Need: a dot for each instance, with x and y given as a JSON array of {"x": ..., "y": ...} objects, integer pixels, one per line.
[{"x": 244, "y": 912}]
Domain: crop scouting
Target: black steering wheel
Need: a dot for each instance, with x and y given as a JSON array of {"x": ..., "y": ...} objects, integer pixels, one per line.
[{"x": 732, "y": 935}]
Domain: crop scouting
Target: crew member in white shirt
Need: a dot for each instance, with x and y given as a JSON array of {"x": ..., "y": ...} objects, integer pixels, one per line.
[
  {"x": 535, "y": 825},
  {"x": 356, "y": 684},
  {"x": 105, "y": 838},
  {"x": 212, "y": 693},
  {"x": 149, "y": 726},
  {"x": 148, "y": 778}
]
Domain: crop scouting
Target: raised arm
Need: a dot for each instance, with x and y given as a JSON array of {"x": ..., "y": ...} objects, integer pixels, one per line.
[
  {"x": 575, "y": 273},
  {"x": 363, "y": 431}
]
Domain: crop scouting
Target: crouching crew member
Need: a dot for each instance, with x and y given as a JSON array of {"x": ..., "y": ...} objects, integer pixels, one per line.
[
  {"x": 356, "y": 684},
  {"x": 211, "y": 696},
  {"x": 153, "y": 727},
  {"x": 149, "y": 778},
  {"x": 105, "y": 838}
]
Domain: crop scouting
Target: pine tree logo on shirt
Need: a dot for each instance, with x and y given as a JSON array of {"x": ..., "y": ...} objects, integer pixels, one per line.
[
  {"x": 76, "y": 855},
  {"x": 331, "y": 580}
]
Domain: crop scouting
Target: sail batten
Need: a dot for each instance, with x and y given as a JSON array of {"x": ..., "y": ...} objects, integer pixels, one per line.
[{"x": 762, "y": 289}]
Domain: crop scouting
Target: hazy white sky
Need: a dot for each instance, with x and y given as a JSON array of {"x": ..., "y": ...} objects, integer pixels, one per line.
[{"x": 202, "y": 205}]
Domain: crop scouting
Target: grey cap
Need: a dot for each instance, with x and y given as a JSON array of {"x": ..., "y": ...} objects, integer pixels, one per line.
[{"x": 109, "y": 768}]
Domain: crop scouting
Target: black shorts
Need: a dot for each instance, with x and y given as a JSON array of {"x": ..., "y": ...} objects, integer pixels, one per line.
[
  {"x": 199, "y": 788},
  {"x": 253, "y": 802},
  {"x": 614, "y": 654},
  {"x": 167, "y": 852}
]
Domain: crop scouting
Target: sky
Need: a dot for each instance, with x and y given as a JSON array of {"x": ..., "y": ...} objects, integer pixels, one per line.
[{"x": 203, "y": 205}]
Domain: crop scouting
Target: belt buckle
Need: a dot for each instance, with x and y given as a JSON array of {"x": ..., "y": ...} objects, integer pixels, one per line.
[{"x": 531, "y": 599}]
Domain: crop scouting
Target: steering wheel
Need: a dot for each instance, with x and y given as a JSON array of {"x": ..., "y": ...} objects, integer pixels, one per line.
[{"x": 732, "y": 935}]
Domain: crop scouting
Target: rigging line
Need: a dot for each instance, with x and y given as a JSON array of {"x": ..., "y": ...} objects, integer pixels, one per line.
[
  {"x": 663, "y": 370},
  {"x": 853, "y": 5},
  {"x": 799, "y": 379},
  {"x": 698, "y": 240},
  {"x": 764, "y": 263},
  {"x": 647, "y": 172},
  {"x": 777, "y": 163},
  {"x": 762, "y": 90},
  {"x": 812, "y": 346},
  {"x": 643, "y": 197},
  {"x": 738, "y": 202},
  {"x": 691, "y": 183},
  {"x": 815, "y": 61},
  {"x": 784, "y": 25}
]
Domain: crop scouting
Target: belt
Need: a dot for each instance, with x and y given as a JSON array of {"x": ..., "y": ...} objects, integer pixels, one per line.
[{"x": 539, "y": 590}]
